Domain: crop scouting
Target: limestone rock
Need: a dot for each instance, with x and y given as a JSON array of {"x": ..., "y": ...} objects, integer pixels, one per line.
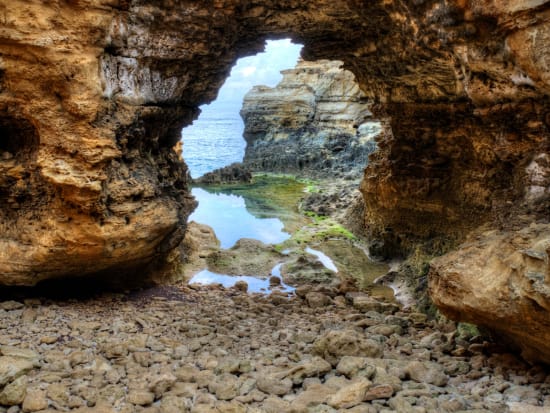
[
  {"x": 35, "y": 400},
  {"x": 500, "y": 280},
  {"x": 316, "y": 120},
  {"x": 425, "y": 372},
  {"x": 274, "y": 385},
  {"x": 13, "y": 367},
  {"x": 350, "y": 395},
  {"x": 14, "y": 393},
  {"x": 232, "y": 174},
  {"x": 337, "y": 343}
]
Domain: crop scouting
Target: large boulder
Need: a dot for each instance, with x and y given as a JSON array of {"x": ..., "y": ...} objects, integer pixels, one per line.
[{"x": 500, "y": 280}]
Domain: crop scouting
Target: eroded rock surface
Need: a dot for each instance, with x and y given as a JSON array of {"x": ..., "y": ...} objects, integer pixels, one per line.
[
  {"x": 94, "y": 93},
  {"x": 501, "y": 281},
  {"x": 316, "y": 120}
]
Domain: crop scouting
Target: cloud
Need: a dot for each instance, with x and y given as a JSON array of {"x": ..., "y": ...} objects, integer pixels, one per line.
[
  {"x": 248, "y": 71},
  {"x": 262, "y": 69}
]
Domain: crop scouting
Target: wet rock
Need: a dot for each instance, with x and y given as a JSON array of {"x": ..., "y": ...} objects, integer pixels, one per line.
[{"x": 241, "y": 286}]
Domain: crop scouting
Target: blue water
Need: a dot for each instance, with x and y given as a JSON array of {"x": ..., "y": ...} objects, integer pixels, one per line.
[
  {"x": 255, "y": 284},
  {"x": 228, "y": 216},
  {"x": 214, "y": 140}
]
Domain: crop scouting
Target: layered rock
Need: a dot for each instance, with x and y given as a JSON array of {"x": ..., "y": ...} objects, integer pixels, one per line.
[
  {"x": 94, "y": 93},
  {"x": 316, "y": 121}
]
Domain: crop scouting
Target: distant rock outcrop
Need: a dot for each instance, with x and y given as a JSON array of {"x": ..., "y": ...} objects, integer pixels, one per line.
[
  {"x": 315, "y": 121},
  {"x": 231, "y": 174}
]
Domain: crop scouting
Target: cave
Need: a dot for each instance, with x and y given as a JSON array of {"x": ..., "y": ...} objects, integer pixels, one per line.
[
  {"x": 463, "y": 91},
  {"x": 18, "y": 138}
]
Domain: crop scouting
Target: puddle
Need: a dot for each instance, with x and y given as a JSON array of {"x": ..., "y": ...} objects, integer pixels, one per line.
[
  {"x": 228, "y": 216},
  {"x": 323, "y": 258},
  {"x": 255, "y": 284}
]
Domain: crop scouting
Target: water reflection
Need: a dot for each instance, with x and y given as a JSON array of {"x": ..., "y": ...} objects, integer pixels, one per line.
[
  {"x": 255, "y": 285},
  {"x": 323, "y": 258},
  {"x": 228, "y": 216}
]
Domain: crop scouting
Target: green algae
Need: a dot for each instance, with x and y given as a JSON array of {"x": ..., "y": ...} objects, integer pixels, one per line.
[{"x": 280, "y": 196}]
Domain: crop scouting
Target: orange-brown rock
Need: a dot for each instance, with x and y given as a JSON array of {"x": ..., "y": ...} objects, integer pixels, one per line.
[
  {"x": 500, "y": 280},
  {"x": 94, "y": 93}
]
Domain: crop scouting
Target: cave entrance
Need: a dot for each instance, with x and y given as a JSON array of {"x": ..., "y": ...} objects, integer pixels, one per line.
[{"x": 215, "y": 139}]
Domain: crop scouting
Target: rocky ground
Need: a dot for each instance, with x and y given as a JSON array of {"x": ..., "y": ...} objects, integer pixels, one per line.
[{"x": 206, "y": 349}]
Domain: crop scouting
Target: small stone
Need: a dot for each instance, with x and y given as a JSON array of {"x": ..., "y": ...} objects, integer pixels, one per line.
[
  {"x": 13, "y": 367},
  {"x": 337, "y": 343},
  {"x": 517, "y": 407},
  {"x": 429, "y": 373},
  {"x": 349, "y": 366},
  {"x": 275, "y": 405},
  {"x": 140, "y": 397},
  {"x": 274, "y": 281},
  {"x": 317, "y": 300},
  {"x": 48, "y": 339},
  {"x": 384, "y": 391},
  {"x": 365, "y": 303},
  {"x": 271, "y": 384},
  {"x": 14, "y": 393},
  {"x": 350, "y": 395},
  {"x": 225, "y": 387},
  {"x": 308, "y": 368},
  {"x": 241, "y": 286},
  {"x": 35, "y": 400},
  {"x": 22, "y": 353},
  {"x": 11, "y": 305}
]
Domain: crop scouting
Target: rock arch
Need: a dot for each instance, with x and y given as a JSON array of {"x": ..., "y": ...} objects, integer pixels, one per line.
[{"x": 110, "y": 83}]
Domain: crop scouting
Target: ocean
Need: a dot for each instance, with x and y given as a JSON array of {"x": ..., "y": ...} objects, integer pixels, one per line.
[{"x": 214, "y": 140}]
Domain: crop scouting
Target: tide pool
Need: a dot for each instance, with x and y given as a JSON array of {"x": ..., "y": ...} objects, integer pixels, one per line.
[{"x": 228, "y": 216}]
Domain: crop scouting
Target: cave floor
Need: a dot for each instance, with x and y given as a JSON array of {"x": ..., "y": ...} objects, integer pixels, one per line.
[{"x": 209, "y": 349}]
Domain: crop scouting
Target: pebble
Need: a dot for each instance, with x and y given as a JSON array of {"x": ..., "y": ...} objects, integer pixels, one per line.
[{"x": 222, "y": 350}]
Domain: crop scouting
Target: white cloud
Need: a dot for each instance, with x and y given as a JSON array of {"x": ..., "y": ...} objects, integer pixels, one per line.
[
  {"x": 248, "y": 71},
  {"x": 261, "y": 69}
]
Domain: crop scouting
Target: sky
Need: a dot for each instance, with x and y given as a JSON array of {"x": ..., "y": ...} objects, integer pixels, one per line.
[{"x": 261, "y": 69}]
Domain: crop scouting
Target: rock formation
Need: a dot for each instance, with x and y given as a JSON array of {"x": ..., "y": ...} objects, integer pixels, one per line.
[
  {"x": 94, "y": 93},
  {"x": 316, "y": 121},
  {"x": 230, "y": 174}
]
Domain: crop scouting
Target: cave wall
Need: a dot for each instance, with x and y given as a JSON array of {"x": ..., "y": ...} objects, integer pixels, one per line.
[{"x": 94, "y": 93}]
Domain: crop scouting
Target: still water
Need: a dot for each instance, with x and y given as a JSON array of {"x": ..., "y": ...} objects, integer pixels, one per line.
[
  {"x": 231, "y": 221},
  {"x": 255, "y": 284}
]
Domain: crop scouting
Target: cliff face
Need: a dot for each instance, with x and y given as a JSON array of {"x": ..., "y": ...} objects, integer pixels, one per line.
[
  {"x": 315, "y": 121},
  {"x": 94, "y": 93}
]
